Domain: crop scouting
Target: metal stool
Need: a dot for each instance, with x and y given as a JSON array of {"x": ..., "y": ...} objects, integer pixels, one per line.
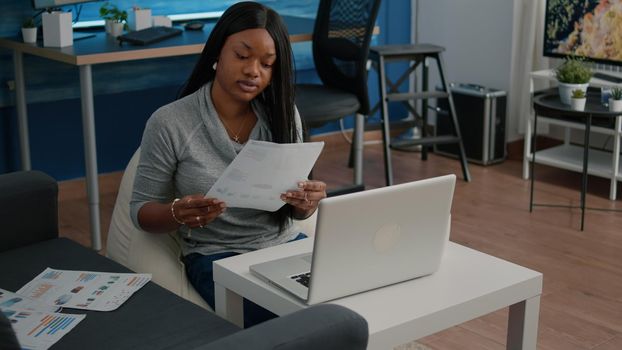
[{"x": 415, "y": 55}]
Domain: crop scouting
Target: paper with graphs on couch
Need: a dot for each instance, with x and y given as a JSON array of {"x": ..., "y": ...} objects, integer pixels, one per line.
[
  {"x": 10, "y": 300},
  {"x": 86, "y": 290},
  {"x": 262, "y": 171},
  {"x": 40, "y": 330},
  {"x": 37, "y": 325}
]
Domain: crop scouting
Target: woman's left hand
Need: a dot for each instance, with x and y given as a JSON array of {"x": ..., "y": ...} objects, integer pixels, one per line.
[{"x": 306, "y": 198}]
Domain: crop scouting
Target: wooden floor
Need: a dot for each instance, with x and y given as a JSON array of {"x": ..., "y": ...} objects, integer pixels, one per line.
[{"x": 581, "y": 305}]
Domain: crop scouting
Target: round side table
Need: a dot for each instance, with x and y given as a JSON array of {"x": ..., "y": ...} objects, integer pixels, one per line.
[{"x": 550, "y": 105}]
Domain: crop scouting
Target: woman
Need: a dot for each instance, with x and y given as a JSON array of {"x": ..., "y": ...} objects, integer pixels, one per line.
[{"x": 241, "y": 88}]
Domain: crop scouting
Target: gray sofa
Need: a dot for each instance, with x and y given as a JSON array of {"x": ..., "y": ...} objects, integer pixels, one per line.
[{"x": 153, "y": 318}]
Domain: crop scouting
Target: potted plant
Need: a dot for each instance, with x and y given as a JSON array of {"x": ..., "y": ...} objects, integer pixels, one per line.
[
  {"x": 577, "y": 100},
  {"x": 114, "y": 18},
  {"x": 105, "y": 12},
  {"x": 572, "y": 74},
  {"x": 29, "y": 30},
  {"x": 615, "y": 100},
  {"x": 119, "y": 18}
]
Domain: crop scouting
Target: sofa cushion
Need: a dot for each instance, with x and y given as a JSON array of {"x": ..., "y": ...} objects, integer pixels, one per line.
[
  {"x": 324, "y": 326},
  {"x": 40, "y": 221},
  {"x": 152, "y": 318}
]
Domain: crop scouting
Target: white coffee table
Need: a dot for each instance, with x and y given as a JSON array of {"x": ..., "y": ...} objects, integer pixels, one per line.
[{"x": 468, "y": 284}]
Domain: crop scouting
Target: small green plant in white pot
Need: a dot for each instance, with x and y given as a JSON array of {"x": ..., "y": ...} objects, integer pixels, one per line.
[
  {"x": 105, "y": 12},
  {"x": 114, "y": 18},
  {"x": 119, "y": 18},
  {"x": 572, "y": 74},
  {"x": 29, "y": 30},
  {"x": 615, "y": 100},
  {"x": 577, "y": 100}
]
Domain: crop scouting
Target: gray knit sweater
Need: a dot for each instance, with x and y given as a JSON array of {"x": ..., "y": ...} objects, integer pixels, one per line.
[{"x": 185, "y": 148}]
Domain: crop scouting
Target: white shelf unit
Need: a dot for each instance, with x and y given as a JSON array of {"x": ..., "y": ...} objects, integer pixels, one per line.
[{"x": 570, "y": 157}]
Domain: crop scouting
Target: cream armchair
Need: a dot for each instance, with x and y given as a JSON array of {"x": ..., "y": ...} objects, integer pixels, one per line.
[{"x": 158, "y": 254}]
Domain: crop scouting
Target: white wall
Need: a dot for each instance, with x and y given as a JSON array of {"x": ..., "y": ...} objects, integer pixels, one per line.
[{"x": 477, "y": 36}]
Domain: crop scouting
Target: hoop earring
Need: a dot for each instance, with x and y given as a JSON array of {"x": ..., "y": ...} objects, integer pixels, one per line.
[{"x": 214, "y": 65}]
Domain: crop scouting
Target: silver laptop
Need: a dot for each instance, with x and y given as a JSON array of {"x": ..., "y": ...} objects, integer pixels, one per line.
[{"x": 367, "y": 240}]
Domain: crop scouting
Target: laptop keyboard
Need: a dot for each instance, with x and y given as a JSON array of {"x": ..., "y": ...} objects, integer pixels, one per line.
[
  {"x": 303, "y": 278},
  {"x": 150, "y": 35}
]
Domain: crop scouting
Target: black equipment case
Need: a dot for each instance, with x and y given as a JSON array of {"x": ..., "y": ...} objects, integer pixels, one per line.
[{"x": 481, "y": 115}]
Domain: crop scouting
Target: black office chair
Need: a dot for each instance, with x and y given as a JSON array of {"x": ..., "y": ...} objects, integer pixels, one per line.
[{"x": 341, "y": 38}]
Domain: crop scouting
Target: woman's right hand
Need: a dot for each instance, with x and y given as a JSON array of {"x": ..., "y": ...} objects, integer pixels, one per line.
[{"x": 196, "y": 210}]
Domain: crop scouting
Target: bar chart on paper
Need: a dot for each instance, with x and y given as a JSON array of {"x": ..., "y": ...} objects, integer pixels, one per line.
[{"x": 40, "y": 330}]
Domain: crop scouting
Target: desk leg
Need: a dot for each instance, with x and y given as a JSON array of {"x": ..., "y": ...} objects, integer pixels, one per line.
[
  {"x": 90, "y": 153},
  {"x": 615, "y": 159},
  {"x": 523, "y": 325},
  {"x": 229, "y": 305},
  {"x": 22, "y": 111},
  {"x": 359, "y": 131}
]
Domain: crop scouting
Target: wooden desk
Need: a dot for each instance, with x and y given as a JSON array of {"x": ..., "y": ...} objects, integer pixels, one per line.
[
  {"x": 468, "y": 284},
  {"x": 105, "y": 49}
]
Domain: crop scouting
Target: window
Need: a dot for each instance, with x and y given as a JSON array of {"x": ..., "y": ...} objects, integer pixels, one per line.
[{"x": 185, "y": 10}]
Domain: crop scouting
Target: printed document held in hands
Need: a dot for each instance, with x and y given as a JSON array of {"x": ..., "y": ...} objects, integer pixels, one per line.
[{"x": 262, "y": 171}]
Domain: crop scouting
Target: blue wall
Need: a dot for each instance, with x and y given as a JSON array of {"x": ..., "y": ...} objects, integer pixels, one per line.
[{"x": 126, "y": 94}]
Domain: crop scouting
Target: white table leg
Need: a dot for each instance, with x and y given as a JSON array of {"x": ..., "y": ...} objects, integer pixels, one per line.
[
  {"x": 523, "y": 325},
  {"x": 22, "y": 112},
  {"x": 229, "y": 305},
  {"x": 90, "y": 153},
  {"x": 359, "y": 131},
  {"x": 527, "y": 138},
  {"x": 615, "y": 159},
  {"x": 527, "y": 148}
]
